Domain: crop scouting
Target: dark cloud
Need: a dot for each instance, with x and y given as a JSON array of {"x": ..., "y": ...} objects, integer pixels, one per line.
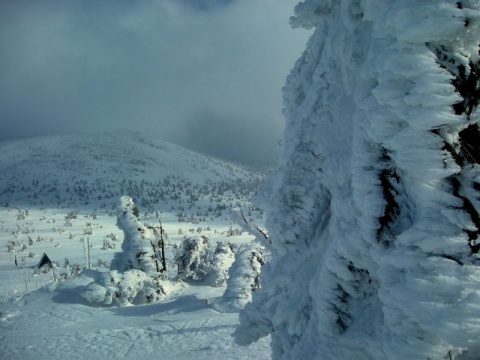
[
  {"x": 205, "y": 4},
  {"x": 181, "y": 73},
  {"x": 233, "y": 138}
]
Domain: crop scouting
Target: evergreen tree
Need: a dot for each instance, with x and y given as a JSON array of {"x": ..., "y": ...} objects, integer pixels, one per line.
[
  {"x": 193, "y": 258},
  {"x": 137, "y": 251},
  {"x": 243, "y": 278},
  {"x": 374, "y": 216}
]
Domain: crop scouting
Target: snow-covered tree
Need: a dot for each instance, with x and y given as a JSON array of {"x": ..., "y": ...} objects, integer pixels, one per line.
[
  {"x": 243, "y": 278},
  {"x": 374, "y": 213},
  {"x": 137, "y": 251},
  {"x": 222, "y": 259},
  {"x": 196, "y": 260},
  {"x": 193, "y": 258}
]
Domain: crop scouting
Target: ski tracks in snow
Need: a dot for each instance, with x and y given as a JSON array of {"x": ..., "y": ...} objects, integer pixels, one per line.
[{"x": 42, "y": 328}]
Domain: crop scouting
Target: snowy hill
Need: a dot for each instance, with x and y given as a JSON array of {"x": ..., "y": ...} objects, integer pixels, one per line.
[
  {"x": 58, "y": 196},
  {"x": 69, "y": 169}
]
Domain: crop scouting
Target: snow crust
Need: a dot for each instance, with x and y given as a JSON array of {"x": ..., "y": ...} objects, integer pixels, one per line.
[{"x": 371, "y": 235}]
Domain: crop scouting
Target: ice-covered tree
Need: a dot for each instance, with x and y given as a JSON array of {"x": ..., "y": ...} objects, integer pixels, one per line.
[
  {"x": 137, "y": 250},
  {"x": 222, "y": 259},
  {"x": 374, "y": 213},
  {"x": 243, "y": 278},
  {"x": 193, "y": 258}
]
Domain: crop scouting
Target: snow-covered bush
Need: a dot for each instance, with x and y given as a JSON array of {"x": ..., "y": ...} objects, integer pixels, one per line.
[
  {"x": 197, "y": 261},
  {"x": 127, "y": 288},
  {"x": 137, "y": 251},
  {"x": 107, "y": 245},
  {"x": 222, "y": 259},
  {"x": 243, "y": 278},
  {"x": 374, "y": 211},
  {"x": 193, "y": 258}
]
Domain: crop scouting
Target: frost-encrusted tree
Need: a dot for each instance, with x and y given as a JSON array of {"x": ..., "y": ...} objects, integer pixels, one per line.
[
  {"x": 193, "y": 258},
  {"x": 243, "y": 278},
  {"x": 196, "y": 260},
  {"x": 137, "y": 251},
  {"x": 135, "y": 274},
  {"x": 222, "y": 259},
  {"x": 374, "y": 215}
]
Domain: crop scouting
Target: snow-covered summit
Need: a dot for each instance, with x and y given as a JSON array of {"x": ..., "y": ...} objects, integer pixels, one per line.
[
  {"x": 121, "y": 154},
  {"x": 67, "y": 166}
]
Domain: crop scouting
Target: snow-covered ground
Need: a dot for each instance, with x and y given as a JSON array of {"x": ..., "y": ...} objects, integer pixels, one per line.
[
  {"x": 62, "y": 325},
  {"x": 58, "y": 196}
]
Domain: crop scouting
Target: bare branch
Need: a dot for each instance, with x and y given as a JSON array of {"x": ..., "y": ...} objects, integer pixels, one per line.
[{"x": 255, "y": 226}]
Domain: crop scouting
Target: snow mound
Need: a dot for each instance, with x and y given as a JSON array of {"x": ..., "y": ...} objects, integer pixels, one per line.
[{"x": 132, "y": 287}]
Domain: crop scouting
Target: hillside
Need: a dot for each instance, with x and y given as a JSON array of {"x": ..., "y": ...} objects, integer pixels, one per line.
[{"x": 95, "y": 170}]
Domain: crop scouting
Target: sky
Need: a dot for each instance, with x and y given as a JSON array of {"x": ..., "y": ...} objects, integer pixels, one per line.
[{"x": 204, "y": 74}]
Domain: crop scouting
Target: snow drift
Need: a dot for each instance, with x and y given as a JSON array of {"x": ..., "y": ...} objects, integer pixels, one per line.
[{"x": 374, "y": 212}]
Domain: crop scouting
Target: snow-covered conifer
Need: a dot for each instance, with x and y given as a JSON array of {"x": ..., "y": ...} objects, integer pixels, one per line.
[
  {"x": 243, "y": 277},
  {"x": 222, "y": 259},
  {"x": 193, "y": 258},
  {"x": 374, "y": 213},
  {"x": 137, "y": 251}
]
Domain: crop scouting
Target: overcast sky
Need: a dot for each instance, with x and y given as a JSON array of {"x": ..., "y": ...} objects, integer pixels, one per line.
[{"x": 205, "y": 74}]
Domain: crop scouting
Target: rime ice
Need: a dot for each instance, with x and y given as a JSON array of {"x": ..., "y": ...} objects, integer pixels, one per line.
[{"x": 374, "y": 208}]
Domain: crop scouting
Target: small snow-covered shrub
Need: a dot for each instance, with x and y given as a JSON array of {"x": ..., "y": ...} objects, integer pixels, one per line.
[
  {"x": 88, "y": 229},
  {"x": 120, "y": 289},
  {"x": 223, "y": 258},
  {"x": 71, "y": 215},
  {"x": 192, "y": 258},
  {"x": 237, "y": 231},
  {"x": 102, "y": 263},
  {"x": 75, "y": 269},
  {"x": 243, "y": 278},
  {"x": 11, "y": 245},
  {"x": 196, "y": 260},
  {"x": 107, "y": 245}
]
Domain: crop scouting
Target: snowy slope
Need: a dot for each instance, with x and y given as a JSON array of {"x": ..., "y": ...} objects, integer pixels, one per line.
[
  {"x": 47, "y": 168},
  {"x": 58, "y": 195}
]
